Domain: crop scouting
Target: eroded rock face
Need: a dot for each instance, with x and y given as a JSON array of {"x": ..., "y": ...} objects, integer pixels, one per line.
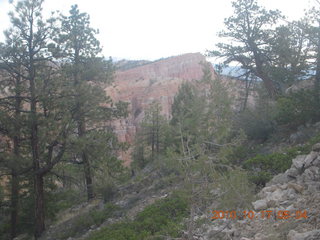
[{"x": 156, "y": 81}]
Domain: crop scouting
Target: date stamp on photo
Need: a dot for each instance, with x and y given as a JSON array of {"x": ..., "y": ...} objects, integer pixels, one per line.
[{"x": 266, "y": 214}]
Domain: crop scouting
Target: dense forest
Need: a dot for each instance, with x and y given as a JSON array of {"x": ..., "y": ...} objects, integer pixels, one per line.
[{"x": 59, "y": 151}]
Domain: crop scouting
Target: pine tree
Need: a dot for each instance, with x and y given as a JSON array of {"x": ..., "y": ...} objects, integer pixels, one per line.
[
  {"x": 46, "y": 121},
  {"x": 249, "y": 29},
  {"x": 88, "y": 73},
  {"x": 10, "y": 120}
]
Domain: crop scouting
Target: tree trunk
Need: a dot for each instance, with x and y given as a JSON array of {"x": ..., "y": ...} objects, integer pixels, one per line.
[
  {"x": 317, "y": 80},
  {"x": 267, "y": 81},
  {"x": 247, "y": 90},
  {"x": 88, "y": 177},
  {"x": 85, "y": 160},
  {"x": 34, "y": 141},
  {"x": 14, "y": 203},
  {"x": 158, "y": 132},
  {"x": 16, "y": 151},
  {"x": 39, "y": 205}
]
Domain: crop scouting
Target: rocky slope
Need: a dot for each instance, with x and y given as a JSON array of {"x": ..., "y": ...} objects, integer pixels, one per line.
[{"x": 287, "y": 208}]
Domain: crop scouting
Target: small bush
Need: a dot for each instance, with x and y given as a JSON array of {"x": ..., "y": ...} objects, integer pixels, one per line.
[
  {"x": 258, "y": 123},
  {"x": 161, "y": 218},
  {"x": 237, "y": 190},
  {"x": 83, "y": 222},
  {"x": 297, "y": 108},
  {"x": 107, "y": 191},
  {"x": 263, "y": 167}
]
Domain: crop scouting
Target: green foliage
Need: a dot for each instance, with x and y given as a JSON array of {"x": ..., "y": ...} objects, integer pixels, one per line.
[
  {"x": 159, "y": 219},
  {"x": 263, "y": 167},
  {"x": 291, "y": 46},
  {"x": 187, "y": 116},
  {"x": 258, "y": 123},
  {"x": 275, "y": 162},
  {"x": 138, "y": 156},
  {"x": 83, "y": 222},
  {"x": 106, "y": 191},
  {"x": 152, "y": 138},
  {"x": 201, "y": 122},
  {"x": 248, "y": 30},
  {"x": 235, "y": 151},
  {"x": 1, "y": 196},
  {"x": 297, "y": 108},
  {"x": 4, "y": 229},
  {"x": 61, "y": 199},
  {"x": 236, "y": 190}
]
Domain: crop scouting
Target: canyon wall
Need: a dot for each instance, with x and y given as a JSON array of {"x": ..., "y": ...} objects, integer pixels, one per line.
[{"x": 155, "y": 81}]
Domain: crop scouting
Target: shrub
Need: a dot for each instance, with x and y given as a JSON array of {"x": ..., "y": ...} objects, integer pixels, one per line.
[
  {"x": 107, "y": 191},
  {"x": 161, "y": 218},
  {"x": 83, "y": 222},
  {"x": 258, "y": 123},
  {"x": 297, "y": 108},
  {"x": 237, "y": 190},
  {"x": 263, "y": 167}
]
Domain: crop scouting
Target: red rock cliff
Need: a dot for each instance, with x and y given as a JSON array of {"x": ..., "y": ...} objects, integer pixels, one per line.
[{"x": 160, "y": 81}]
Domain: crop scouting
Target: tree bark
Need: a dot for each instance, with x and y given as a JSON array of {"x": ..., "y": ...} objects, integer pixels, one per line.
[
  {"x": 267, "y": 81},
  {"x": 38, "y": 178},
  {"x": 39, "y": 205},
  {"x": 14, "y": 203},
  {"x": 317, "y": 80},
  {"x": 16, "y": 151},
  {"x": 86, "y": 163}
]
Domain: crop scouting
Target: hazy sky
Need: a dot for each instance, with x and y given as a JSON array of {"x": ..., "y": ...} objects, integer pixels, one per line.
[{"x": 151, "y": 29}]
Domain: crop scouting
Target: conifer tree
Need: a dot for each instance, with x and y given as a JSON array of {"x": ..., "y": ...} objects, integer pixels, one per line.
[
  {"x": 47, "y": 123},
  {"x": 88, "y": 73},
  {"x": 249, "y": 30}
]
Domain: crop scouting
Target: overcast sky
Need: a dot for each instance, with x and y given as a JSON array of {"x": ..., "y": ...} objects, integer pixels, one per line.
[{"x": 152, "y": 29}]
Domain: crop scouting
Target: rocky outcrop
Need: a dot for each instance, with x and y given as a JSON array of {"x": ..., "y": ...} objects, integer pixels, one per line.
[
  {"x": 156, "y": 81},
  {"x": 293, "y": 201},
  {"x": 143, "y": 82}
]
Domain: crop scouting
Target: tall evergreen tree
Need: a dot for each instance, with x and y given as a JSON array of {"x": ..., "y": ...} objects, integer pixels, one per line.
[
  {"x": 47, "y": 121},
  {"x": 88, "y": 73},
  {"x": 312, "y": 31},
  {"x": 187, "y": 115},
  {"x": 289, "y": 54},
  {"x": 12, "y": 97},
  {"x": 152, "y": 128},
  {"x": 249, "y": 30}
]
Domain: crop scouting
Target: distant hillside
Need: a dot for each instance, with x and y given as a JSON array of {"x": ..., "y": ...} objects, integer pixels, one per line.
[
  {"x": 141, "y": 82},
  {"x": 128, "y": 64}
]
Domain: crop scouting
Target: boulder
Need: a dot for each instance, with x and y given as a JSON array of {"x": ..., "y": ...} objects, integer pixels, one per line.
[
  {"x": 311, "y": 174},
  {"x": 316, "y": 162},
  {"x": 277, "y": 195},
  {"x": 311, "y": 235},
  {"x": 260, "y": 236},
  {"x": 260, "y": 205},
  {"x": 316, "y": 147},
  {"x": 299, "y": 161},
  {"x": 310, "y": 158},
  {"x": 266, "y": 190},
  {"x": 298, "y": 188},
  {"x": 281, "y": 178},
  {"x": 292, "y": 172}
]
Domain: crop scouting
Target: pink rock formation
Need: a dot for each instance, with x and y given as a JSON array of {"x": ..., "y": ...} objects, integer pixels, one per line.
[{"x": 156, "y": 81}]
